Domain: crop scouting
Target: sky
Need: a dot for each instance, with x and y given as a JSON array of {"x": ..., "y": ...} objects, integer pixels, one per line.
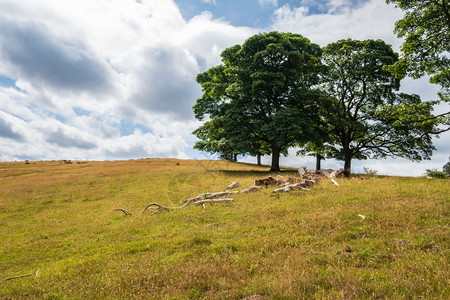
[{"x": 115, "y": 79}]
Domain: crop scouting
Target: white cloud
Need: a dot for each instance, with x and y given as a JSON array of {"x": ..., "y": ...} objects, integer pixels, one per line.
[
  {"x": 372, "y": 19},
  {"x": 209, "y": 1},
  {"x": 334, "y": 6}
]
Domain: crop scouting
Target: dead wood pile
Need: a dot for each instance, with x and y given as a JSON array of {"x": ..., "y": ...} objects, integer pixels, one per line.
[{"x": 305, "y": 179}]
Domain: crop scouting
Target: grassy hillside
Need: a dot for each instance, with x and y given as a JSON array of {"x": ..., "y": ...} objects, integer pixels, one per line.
[{"x": 57, "y": 218}]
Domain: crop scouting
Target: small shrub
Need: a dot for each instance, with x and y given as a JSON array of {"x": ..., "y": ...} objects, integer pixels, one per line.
[
  {"x": 369, "y": 171},
  {"x": 434, "y": 173}
]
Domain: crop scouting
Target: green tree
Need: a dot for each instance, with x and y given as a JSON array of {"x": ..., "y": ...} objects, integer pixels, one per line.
[
  {"x": 319, "y": 144},
  {"x": 446, "y": 168},
  {"x": 426, "y": 30},
  {"x": 222, "y": 137},
  {"x": 316, "y": 150},
  {"x": 262, "y": 94},
  {"x": 366, "y": 117}
]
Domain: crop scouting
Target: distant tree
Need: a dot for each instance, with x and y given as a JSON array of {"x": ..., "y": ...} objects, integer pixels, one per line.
[
  {"x": 319, "y": 144},
  {"x": 434, "y": 173},
  {"x": 213, "y": 139},
  {"x": 220, "y": 136},
  {"x": 366, "y": 117},
  {"x": 316, "y": 150},
  {"x": 262, "y": 94},
  {"x": 259, "y": 149},
  {"x": 446, "y": 168}
]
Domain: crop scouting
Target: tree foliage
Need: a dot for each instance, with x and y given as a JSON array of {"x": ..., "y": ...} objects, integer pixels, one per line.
[
  {"x": 367, "y": 118},
  {"x": 262, "y": 96},
  {"x": 434, "y": 173},
  {"x": 222, "y": 137},
  {"x": 426, "y": 30}
]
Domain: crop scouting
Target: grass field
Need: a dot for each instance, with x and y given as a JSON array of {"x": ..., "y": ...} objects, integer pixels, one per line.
[{"x": 57, "y": 218}]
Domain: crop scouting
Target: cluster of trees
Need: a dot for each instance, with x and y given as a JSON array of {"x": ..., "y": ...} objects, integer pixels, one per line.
[{"x": 279, "y": 90}]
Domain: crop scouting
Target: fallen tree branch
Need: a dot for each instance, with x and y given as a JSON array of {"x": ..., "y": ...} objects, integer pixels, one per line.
[
  {"x": 20, "y": 276},
  {"x": 291, "y": 187},
  {"x": 204, "y": 196},
  {"x": 283, "y": 189},
  {"x": 253, "y": 188},
  {"x": 190, "y": 200},
  {"x": 220, "y": 194},
  {"x": 126, "y": 212},
  {"x": 234, "y": 185},
  {"x": 334, "y": 181},
  {"x": 208, "y": 196},
  {"x": 212, "y": 201},
  {"x": 157, "y": 208}
]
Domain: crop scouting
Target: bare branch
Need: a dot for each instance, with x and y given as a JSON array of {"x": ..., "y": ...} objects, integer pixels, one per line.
[
  {"x": 208, "y": 196},
  {"x": 157, "y": 208},
  {"x": 126, "y": 212},
  {"x": 212, "y": 201},
  {"x": 234, "y": 185},
  {"x": 20, "y": 276}
]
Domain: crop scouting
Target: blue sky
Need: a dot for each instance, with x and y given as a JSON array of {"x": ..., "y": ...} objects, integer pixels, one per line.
[
  {"x": 115, "y": 79},
  {"x": 250, "y": 13},
  {"x": 254, "y": 13},
  {"x": 6, "y": 81}
]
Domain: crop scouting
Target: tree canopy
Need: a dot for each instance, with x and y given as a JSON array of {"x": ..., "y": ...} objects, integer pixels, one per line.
[
  {"x": 367, "y": 118},
  {"x": 262, "y": 95}
]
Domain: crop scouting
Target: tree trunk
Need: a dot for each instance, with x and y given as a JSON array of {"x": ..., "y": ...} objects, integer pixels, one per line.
[
  {"x": 235, "y": 157},
  {"x": 275, "y": 167},
  {"x": 258, "y": 159},
  {"x": 348, "y": 163},
  {"x": 348, "y": 155},
  {"x": 318, "y": 161}
]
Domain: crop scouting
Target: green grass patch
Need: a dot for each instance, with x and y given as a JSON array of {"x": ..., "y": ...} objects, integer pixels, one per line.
[{"x": 58, "y": 218}]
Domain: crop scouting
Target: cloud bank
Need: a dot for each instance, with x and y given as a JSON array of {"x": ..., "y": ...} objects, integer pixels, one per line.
[{"x": 83, "y": 69}]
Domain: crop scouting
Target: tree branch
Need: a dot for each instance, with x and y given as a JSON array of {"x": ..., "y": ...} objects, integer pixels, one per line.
[
  {"x": 20, "y": 276},
  {"x": 212, "y": 201},
  {"x": 126, "y": 212},
  {"x": 157, "y": 208}
]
